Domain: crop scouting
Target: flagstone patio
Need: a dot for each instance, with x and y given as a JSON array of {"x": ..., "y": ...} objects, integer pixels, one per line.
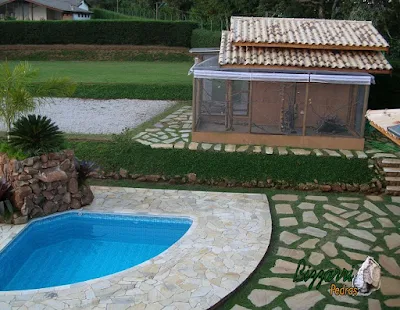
[
  {"x": 327, "y": 231},
  {"x": 174, "y": 131}
]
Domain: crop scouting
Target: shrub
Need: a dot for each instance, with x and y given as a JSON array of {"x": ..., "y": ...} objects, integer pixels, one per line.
[
  {"x": 84, "y": 168},
  {"x": 205, "y": 38},
  {"x": 36, "y": 134},
  {"x": 11, "y": 151},
  {"x": 6, "y": 208},
  {"x": 136, "y": 32}
]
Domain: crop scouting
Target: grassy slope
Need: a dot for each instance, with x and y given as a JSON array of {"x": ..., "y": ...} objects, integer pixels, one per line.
[{"x": 115, "y": 72}]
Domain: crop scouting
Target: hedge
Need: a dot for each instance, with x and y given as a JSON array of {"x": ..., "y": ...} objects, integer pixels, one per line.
[
  {"x": 206, "y": 38},
  {"x": 385, "y": 94},
  {"x": 138, "y": 158},
  {"x": 134, "y": 32}
]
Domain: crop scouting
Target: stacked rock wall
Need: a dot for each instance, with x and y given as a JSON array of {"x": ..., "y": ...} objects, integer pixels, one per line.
[{"x": 44, "y": 184}]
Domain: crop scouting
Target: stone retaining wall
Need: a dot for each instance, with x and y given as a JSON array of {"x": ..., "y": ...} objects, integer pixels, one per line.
[
  {"x": 376, "y": 186},
  {"x": 44, "y": 185}
]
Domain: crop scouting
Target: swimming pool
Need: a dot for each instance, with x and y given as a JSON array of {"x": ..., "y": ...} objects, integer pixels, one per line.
[{"x": 75, "y": 246}]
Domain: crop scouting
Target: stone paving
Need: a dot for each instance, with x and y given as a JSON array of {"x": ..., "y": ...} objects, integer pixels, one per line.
[
  {"x": 174, "y": 131},
  {"x": 327, "y": 231},
  {"x": 227, "y": 240}
]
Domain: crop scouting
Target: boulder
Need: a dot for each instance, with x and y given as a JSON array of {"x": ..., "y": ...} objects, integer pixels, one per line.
[
  {"x": 87, "y": 195},
  {"x": 20, "y": 194},
  {"x": 49, "y": 207},
  {"x": 75, "y": 204},
  {"x": 73, "y": 186},
  {"x": 52, "y": 175}
]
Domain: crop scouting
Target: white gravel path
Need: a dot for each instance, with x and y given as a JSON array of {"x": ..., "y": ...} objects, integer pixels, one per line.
[{"x": 99, "y": 116}]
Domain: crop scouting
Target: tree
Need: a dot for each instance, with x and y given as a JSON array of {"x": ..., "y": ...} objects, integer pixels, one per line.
[{"x": 19, "y": 94}]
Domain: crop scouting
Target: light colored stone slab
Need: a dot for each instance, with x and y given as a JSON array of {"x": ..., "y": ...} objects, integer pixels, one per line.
[
  {"x": 396, "y": 199},
  {"x": 261, "y": 298},
  {"x": 355, "y": 256},
  {"x": 345, "y": 299},
  {"x": 300, "y": 152},
  {"x": 305, "y": 300},
  {"x": 363, "y": 216},
  {"x": 257, "y": 149},
  {"x": 370, "y": 206},
  {"x": 352, "y": 244},
  {"x": 179, "y": 145},
  {"x": 282, "y": 266},
  {"x": 333, "y": 209},
  {"x": 390, "y": 264},
  {"x": 172, "y": 140},
  {"x": 288, "y": 238},
  {"x": 363, "y": 234},
  {"x": 282, "y": 208},
  {"x": 377, "y": 249},
  {"x": 235, "y": 307},
  {"x": 390, "y": 286},
  {"x": 361, "y": 154},
  {"x": 372, "y": 151},
  {"x": 330, "y": 249},
  {"x": 306, "y": 206},
  {"x": 193, "y": 146},
  {"x": 288, "y": 221},
  {"x": 230, "y": 148},
  {"x": 317, "y": 198},
  {"x": 285, "y": 197},
  {"x": 312, "y": 231},
  {"x": 336, "y": 220},
  {"x": 242, "y": 148},
  {"x": 206, "y": 146},
  {"x": 296, "y": 254},
  {"x": 332, "y": 153},
  {"x": 385, "y": 222},
  {"x": 282, "y": 151},
  {"x": 217, "y": 147},
  {"x": 349, "y": 214},
  {"x": 394, "y": 209},
  {"x": 374, "y": 304},
  {"x": 316, "y": 258},
  {"x": 341, "y": 263},
  {"x": 378, "y": 231},
  {"x": 269, "y": 150},
  {"x": 393, "y": 303},
  {"x": 384, "y": 155},
  {"x": 336, "y": 307},
  {"x": 318, "y": 152},
  {"x": 309, "y": 244},
  {"x": 365, "y": 225},
  {"x": 352, "y": 206},
  {"x": 330, "y": 226},
  {"x": 374, "y": 198},
  {"x": 310, "y": 217},
  {"x": 347, "y": 153},
  {"x": 162, "y": 146},
  {"x": 284, "y": 283}
]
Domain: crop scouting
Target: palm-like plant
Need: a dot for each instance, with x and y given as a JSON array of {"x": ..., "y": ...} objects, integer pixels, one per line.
[
  {"x": 19, "y": 94},
  {"x": 35, "y": 135}
]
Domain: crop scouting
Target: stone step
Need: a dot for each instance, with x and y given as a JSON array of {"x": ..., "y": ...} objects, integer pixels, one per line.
[
  {"x": 394, "y": 181},
  {"x": 390, "y": 162},
  {"x": 393, "y": 190},
  {"x": 391, "y": 172}
]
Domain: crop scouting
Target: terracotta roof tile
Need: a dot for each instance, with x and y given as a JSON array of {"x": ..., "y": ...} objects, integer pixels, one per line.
[
  {"x": 301, "y": 58},
  {"x": 318, "y": 32}
]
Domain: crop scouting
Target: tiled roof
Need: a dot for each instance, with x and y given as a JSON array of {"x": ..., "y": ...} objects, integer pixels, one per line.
[
  {"x": 341, "y": 34},
  {"x": 300, "y": 58},
  {"x": 62, "y": 5}
]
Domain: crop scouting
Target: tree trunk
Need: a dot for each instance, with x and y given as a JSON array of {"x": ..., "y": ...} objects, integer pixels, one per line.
[{"x": 334, "y": 9}]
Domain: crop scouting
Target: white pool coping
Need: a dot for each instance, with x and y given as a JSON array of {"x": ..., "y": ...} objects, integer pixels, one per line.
[{"x": 228, "y": 238}]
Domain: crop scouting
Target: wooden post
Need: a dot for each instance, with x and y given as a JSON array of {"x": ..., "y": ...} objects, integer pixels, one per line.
[
  {"x": 353, "y": 107},
  {"x": 366, "y": 95},
  {"x": 350, "y": 102},
  {"x": 229, "y": 109},
  {"x": 250, "y": 104},
  {"x": 194, "y": 104},
  {"x": 305, "y": 109}
]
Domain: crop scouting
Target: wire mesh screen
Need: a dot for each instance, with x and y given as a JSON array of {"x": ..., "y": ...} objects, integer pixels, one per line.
[{"x": 279, "y": 108}]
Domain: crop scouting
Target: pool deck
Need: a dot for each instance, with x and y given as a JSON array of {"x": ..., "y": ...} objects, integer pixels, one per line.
[{"x": 228, "y": 238}]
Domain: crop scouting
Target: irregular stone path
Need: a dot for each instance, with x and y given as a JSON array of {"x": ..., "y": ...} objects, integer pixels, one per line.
[
  {"x": 174, "y": 131},
  {"x": 326, "y": 232}
]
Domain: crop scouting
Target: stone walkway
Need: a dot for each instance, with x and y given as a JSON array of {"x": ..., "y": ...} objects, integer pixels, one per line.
[
  {"x": 174, "y": 131},
  {"x": 327, "y": 231},
  {"x": 229, "y": 236}
]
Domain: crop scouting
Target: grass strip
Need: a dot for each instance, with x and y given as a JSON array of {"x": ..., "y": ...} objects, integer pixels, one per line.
[{"x": 138, "y": 158}]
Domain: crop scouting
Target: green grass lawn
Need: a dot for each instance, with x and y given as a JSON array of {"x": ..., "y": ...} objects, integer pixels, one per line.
[{"x": 115, "y": 72}]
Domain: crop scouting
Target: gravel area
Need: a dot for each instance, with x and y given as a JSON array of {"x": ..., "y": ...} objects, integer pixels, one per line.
[{"x": 99, "y": 116}]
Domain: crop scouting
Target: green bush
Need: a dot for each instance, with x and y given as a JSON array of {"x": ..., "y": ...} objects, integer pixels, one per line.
[
  {"x": 11, "y": 151},
  {"x": 385, "y": 94},
  {"x": 205, "y": 38},
  {"x": 35, "y": 135},
  {"x": 135, "y": 32},
  {"x": 112, "y": 156}
]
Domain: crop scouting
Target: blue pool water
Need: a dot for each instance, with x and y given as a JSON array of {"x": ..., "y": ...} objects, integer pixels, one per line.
[{"x": 74, "y": 247}]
